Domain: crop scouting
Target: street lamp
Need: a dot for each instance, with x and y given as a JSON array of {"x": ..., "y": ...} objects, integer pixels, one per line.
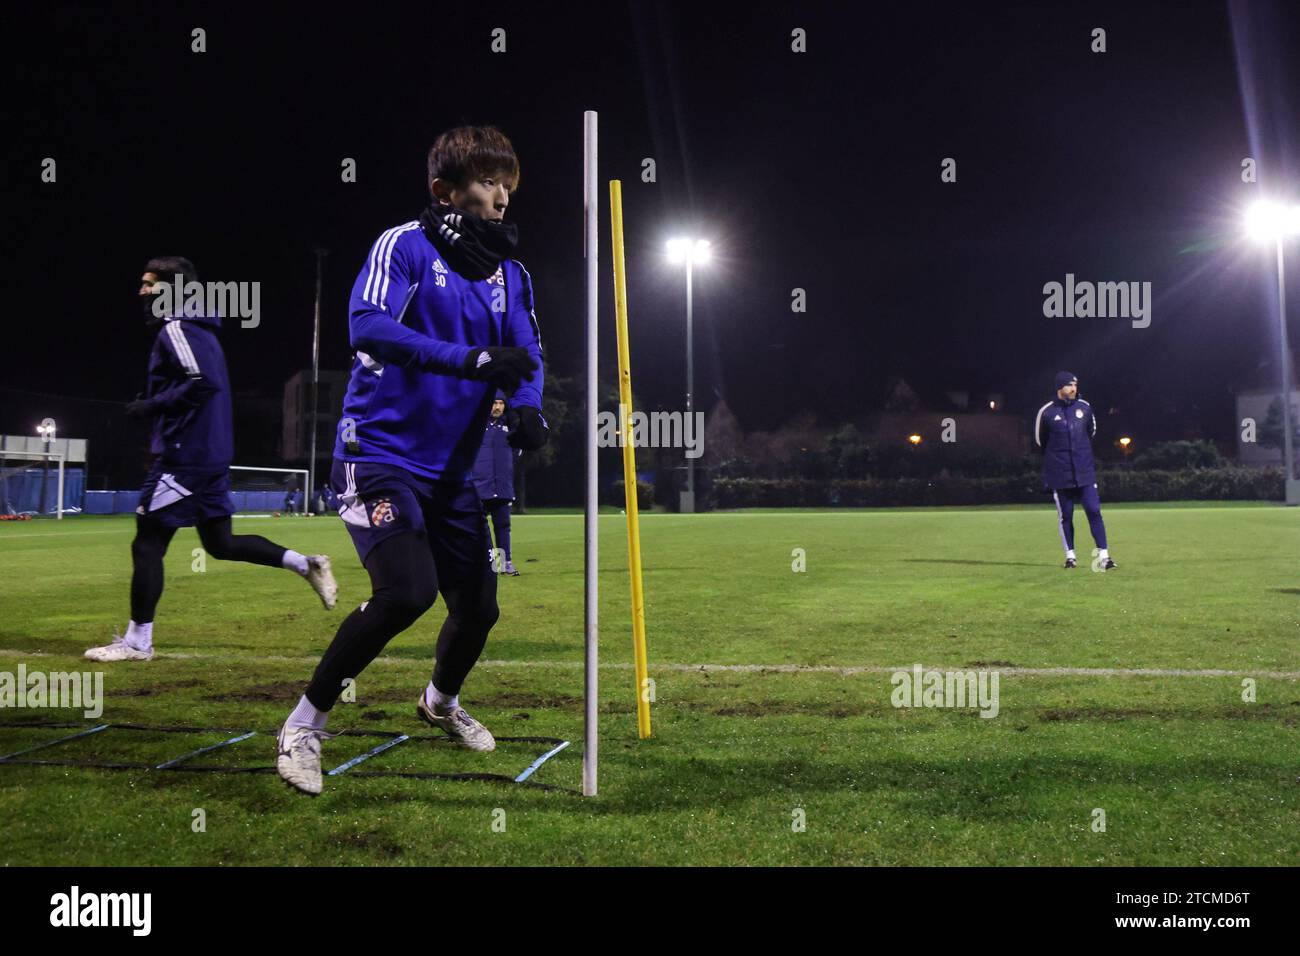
[
  {"x": 691, "y": 252},
  {"x": 1272, "y": 221},
  {"x": 1126, "y": 446}
]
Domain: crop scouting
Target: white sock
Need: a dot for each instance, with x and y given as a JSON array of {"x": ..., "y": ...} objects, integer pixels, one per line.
[
  {"x": 440, "y": 701},
  {"x": 295, "y": 562},
  {"x": 1103, "y": 554},
  {"x": 140, "y": 636},
  {"x": 306, "y": 715},
  {"x": 1070, "y": 553}
]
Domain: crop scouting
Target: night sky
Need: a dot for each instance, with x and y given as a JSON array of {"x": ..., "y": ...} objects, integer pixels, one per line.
[{"x": 818, "y": 170}]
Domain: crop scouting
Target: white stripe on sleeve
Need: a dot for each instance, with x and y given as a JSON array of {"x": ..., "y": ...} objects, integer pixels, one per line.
[
  {"x": 374, "y": 263},
  {"x": 182, "y": 347},
  {"x": 1038, "y": 422},
  {"x": 388, "y": 260}
]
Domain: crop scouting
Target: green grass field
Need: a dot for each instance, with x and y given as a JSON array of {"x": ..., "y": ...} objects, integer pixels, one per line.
[{"x": 1108, "y": 698}]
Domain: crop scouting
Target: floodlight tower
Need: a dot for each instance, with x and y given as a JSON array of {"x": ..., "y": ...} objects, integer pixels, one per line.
[
  {"x": 692, "y": 252},
  {"x": 1273, "y": 221}
]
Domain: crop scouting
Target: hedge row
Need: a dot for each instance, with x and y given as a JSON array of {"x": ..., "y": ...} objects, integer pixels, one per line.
[{"x": 1212, "y": 484}]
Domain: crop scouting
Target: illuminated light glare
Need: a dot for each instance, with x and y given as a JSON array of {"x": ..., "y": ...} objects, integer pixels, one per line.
[{"x": 1268, "y": 221}]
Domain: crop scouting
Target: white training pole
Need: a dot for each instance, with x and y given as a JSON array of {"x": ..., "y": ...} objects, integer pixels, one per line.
[
  {"x": 60, "y": 504},
  {"x": 591, "y": 205}
]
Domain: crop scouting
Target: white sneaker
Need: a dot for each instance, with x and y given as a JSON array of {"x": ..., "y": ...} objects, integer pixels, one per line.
[
  {"x": 298, "y": 761},
  {"x": 119, "y": 650},
  {"x": 460, "y": 727},
  {"x": 321, "y": 578}
]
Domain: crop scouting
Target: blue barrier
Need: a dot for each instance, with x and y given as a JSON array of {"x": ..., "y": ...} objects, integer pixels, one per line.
[
  {"x": 20, "y": 490},
  {"x": 99, "y": 503}
]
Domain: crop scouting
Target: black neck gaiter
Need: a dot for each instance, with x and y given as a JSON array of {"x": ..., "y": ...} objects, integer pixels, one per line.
[{"x": 473, "y": 246}]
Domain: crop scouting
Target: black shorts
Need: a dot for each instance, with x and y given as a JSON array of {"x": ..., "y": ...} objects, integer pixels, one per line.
[
  {"x": 180, "y": 498},
  {"x": 377, "y": 501}
]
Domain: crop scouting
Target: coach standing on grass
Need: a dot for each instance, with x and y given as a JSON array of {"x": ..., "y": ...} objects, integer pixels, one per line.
[
  {"x": 440, "y": 318},
  {"x": 1063, "y": 431},
  {"x": 494, "y": 477}
]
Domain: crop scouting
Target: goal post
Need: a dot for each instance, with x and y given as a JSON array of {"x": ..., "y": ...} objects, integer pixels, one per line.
[
  {"x": 24, "y": 482},
  {"x": 258, "y": 490}
]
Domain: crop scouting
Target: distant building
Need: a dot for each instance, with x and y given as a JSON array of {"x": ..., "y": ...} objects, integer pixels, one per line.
[
  {"x": 1254, "y": 404},
  {"x": 295, "y": 445},
  {"x": 978, "y": 418}
]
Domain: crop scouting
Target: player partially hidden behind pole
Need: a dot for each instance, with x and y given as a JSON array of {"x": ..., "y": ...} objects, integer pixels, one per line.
[
  {"x": 440, "y": 319},
  {"x": 188, "y": 401},
  {"x": 1063, "y": 431},
  {"x": 494, "y": 477}
]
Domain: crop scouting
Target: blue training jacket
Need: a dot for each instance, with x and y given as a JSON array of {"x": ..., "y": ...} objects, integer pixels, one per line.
[
  {"x": 494, "y": 470},
  {"x": 1063, "y": 431},
  {"x": 189, "y": 392},
  {"x": 413, "y": 322}
]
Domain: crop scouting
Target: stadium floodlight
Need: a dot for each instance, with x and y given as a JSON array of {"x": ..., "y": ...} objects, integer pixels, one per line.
[
  {"x": 914, "y": 439},
  {"x": 693, "y": 252},
  {"x": 1272, "y": 221},
  {"x": 1269, "y": 221}
]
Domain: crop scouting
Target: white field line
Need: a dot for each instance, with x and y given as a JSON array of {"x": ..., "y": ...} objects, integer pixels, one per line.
[
  {"x": 842, "y": 671},
  {"x": 849, "y": 512}
]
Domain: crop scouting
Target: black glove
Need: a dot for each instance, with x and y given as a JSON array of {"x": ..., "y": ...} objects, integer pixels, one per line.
[
  {"x": 504, "y": 367},
  {"x": 140, "y": 408},
  {"x": 527, "y": 428}
]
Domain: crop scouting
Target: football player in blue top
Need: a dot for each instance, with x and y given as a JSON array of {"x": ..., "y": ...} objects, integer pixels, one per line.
[{"x": 441, "y": 318}]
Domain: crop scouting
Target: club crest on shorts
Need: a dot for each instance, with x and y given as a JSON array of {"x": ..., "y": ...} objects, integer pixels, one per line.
[{"x": 382, "y": 512}]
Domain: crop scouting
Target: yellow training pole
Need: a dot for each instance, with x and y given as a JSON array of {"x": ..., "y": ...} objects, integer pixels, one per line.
[{"x": 629, "y": 465}]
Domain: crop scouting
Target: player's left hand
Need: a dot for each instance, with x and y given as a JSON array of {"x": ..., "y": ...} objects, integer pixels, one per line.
[{"x": 528, "y": 429}]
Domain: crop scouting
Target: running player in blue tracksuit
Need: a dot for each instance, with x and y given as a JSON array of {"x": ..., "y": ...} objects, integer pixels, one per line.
[
  {"x": 440, "y": 319},
  {"x": 1063, "y": 431},
  {"x": 188, "y": 401}
]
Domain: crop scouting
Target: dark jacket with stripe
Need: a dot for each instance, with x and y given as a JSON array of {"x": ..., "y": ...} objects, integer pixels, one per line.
[
  {"x": 1063, "y": 431},
  {"x": 189, "y": 392}
]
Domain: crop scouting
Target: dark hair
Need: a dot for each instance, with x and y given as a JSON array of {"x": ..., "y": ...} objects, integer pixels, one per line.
[
  {"x": 463, "y": 153},
  {"x": 168, "y": 267}
]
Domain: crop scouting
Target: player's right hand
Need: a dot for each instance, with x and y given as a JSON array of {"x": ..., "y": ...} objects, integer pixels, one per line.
[
  {"x": 140, "y": 408},
  {"x": 502, "y": 366}
]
